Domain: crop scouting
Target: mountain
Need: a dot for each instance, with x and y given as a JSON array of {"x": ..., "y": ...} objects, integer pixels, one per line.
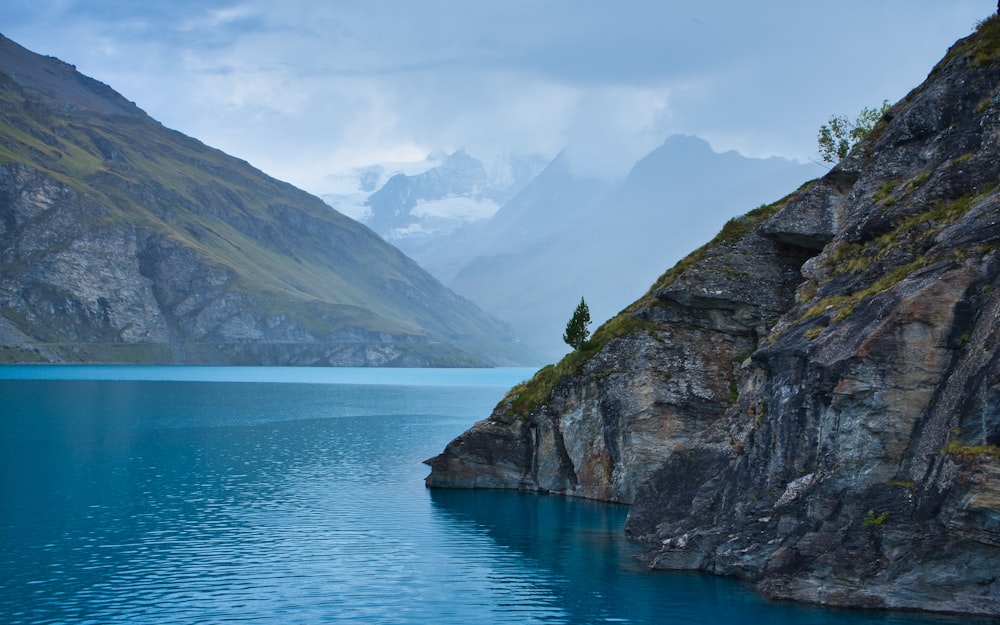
[
  {"x": 392, "y": 206},
  {"x": 408, "y": 207},
  {"x": 565, "y": 236},
  {"x": 525, "y": 240},
  {"x": 509, "y": 232},
  {"x": 124, "y": 241},
  {"x": 810, "y": 401}
]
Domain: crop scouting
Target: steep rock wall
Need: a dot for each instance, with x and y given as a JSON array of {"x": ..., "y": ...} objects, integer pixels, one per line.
[
  {"x": 606, "y": 426},
  {"x": 812, "y": 401}
]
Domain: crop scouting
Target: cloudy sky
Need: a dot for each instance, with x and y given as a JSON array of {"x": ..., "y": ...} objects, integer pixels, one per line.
[{"x": 308, "y": 90}]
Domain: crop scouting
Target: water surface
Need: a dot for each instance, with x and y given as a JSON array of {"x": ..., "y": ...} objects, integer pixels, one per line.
[{"x": 264, "y": 495}]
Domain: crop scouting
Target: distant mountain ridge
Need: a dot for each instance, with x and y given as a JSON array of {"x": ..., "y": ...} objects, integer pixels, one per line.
[
  {"x": 446, "y": 192},
  {"x": 124, "y": 241},
  {"x": 392, "y": 205},
  {"x": 563, "y": 235},
  {"x": 608, "y": 242}
]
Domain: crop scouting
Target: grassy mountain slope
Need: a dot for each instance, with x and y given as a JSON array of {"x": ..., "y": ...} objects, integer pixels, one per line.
[{"x": 288, "y": 257}]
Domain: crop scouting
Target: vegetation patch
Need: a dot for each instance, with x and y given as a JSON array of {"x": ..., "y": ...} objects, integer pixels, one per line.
[
  {"x": 960, "y": 449},
  {"x": 733, "y": 230},
  {"x": 983, "y": 47},
  {"x": 885, "y": 190},
  {"x": 526, "y": 396},
  {"x": 876, "y": 519},
  {"x": 961, "y": 159},
  {"x": 814, "y": 332},
  {"x": 842, "y": 306},
  {"x": 911, "y": 238},
  {"x": 739, "y": 227},
  {"x": 892, "y": 192},
  {"x": 34, "y": 140},
  {"x": 529, "y": 395},
  {"x": 18, "y": 355},
  {"x": 850, "y": 258},
  {"x": 947, "y": 212}
]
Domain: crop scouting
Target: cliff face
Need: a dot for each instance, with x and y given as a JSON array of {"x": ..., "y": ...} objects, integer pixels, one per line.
[
  {"x": 812, "y": 400},
  {"x": 124, "y": 241}
]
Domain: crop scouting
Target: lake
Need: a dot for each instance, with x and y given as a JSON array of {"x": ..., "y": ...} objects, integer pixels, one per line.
[{"x": 295, "y": 495}]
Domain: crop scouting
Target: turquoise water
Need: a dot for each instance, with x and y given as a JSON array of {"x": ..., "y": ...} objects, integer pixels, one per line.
[{"x": 263, "y": 495}]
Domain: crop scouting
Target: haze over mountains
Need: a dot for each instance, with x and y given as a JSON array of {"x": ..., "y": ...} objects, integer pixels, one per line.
[
  {"x": 124, "y": 241},
  {"x": 264, "y": 283},
  {"x": 562, "y": 235},
  {"x": 413, "y": 200}
]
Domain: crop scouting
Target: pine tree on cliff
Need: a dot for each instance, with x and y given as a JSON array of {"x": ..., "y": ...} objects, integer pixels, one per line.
[{"x": 576, "y": 330}]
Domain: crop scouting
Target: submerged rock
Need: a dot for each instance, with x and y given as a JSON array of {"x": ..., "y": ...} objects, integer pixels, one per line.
[{"x": 812, "y": 400}]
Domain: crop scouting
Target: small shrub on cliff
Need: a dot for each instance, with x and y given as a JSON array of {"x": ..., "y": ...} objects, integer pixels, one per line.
[
  {"x": 876, "y": 519},
  {"x": 527, "y": 396},
  {"x": 840, "y": 134}
]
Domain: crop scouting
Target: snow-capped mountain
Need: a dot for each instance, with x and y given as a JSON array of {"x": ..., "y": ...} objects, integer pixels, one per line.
[
  {"x": 525, "y": 239},
  {"x": 453, "y": 190}
]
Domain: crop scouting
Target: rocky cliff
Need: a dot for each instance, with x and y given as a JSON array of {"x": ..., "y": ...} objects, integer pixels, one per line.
[
  {"x": 124, "y": 241},
  {"x": 812, "y": 400}
]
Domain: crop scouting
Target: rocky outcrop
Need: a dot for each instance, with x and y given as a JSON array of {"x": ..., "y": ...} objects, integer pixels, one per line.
[
  {"x": 812, "y": 401},
  {"x": 661, "y": 378},
  {"x": 123, "y": 241}
]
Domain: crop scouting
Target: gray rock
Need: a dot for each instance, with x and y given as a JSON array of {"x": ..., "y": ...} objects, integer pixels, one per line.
[
  {"x": 811, "y": 221},
  {"x": 812, "y": 401},
  {"x": 124, "y": 241}
]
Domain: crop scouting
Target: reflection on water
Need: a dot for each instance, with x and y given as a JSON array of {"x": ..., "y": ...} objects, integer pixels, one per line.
[
  {"x": 594, "y": 575},
  {"x": 138, "y": 501},
  {"x": 589, "y": 569}
]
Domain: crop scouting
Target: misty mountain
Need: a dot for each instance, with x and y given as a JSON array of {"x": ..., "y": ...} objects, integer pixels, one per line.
[
  {"x": 458, "y": 191},
  {"x": 528, "y": 222},
  {"x": 392, "y": 206},
  {"x": 124, "y": 241},
  {"x": 564, "y": 237}
]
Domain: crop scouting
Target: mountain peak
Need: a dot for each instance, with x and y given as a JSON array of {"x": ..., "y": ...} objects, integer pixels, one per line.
[
  {"x": 690, "y": 143},
  {"x": 124, "y": 241},
  {"x": 60, "y": 84},
  {"x": 457, "y": 191}
]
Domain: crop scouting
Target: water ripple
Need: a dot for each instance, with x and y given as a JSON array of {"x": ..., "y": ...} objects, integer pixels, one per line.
[{"x": 166, "y": 502}]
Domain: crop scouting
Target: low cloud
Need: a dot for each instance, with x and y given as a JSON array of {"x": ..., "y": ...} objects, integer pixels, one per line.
[
  {"x": 612, "y": 128},
  {"x": 311, "y": 91}
]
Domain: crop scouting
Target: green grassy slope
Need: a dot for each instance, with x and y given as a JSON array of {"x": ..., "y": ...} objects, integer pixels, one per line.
[{"x": 288, "y": 249}]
